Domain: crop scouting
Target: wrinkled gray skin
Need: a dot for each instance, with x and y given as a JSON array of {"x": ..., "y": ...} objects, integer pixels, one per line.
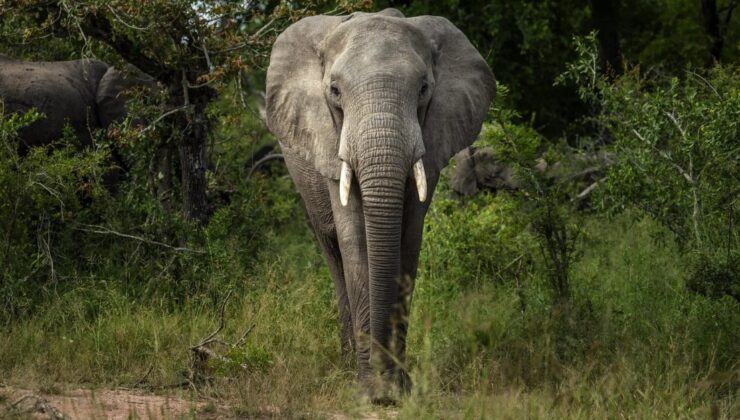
[
  {"x": 379, "y": 92},
  {"x": 86, "y": 94}
]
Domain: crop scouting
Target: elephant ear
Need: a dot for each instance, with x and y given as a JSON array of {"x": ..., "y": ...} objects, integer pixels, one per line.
[
  {"x": 297, "y": 112},
  {"x": 111, "y": 104},
  {"x": 464, "y": 89}
]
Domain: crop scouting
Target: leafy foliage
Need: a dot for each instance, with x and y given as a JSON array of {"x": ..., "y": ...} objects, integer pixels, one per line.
[
  {"x": 677, "y": 147},
  {"x": 46, "y": 193}
]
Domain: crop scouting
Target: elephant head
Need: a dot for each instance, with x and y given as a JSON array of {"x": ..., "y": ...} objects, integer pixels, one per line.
[{"x": 372, "y": 100}]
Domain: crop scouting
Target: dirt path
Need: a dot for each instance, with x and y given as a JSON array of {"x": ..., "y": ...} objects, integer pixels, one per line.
[
  {"x": 105, "y": 404},
  {"x": 123, "y": 404}
]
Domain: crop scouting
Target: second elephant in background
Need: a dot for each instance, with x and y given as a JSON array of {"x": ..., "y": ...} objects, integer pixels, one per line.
[{"x": 85, "y": 94}]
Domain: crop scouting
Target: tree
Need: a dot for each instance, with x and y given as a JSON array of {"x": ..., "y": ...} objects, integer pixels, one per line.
[
  {"x": 191, "y": 48},
  {"x": 605, "y": 15}
]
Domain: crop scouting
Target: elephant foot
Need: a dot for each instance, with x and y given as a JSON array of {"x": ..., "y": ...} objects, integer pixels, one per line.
[{"x": 387, "y": 389}]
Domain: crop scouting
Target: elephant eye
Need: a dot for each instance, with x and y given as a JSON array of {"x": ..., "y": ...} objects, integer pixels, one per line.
[
  {"x": 424, "y": 88},
  {"x": 334, "y": 91}
]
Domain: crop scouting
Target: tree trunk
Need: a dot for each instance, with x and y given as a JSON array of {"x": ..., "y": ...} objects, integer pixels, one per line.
[
  {"x": 606, "y": 21},
  {"x": 712, "y": 28},
  {"x": 160, "y": 174},
  {"x": 193, "y": 162}
]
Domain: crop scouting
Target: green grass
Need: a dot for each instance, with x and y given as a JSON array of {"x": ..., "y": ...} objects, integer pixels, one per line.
[{"x": 633, "y": 342}]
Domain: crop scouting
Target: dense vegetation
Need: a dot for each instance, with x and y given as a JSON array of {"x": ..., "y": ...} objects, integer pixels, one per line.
[{"x": 540, "y": 302}]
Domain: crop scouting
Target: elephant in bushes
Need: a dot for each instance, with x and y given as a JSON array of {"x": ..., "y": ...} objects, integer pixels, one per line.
[
  {"x": 86, "y": 94},
  {"x": 368, "y": 109}
]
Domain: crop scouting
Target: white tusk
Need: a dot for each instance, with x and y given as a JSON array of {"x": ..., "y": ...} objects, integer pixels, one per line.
[
  {"x": 345, "y": 181},
  {"x": 421, "y": 180}
]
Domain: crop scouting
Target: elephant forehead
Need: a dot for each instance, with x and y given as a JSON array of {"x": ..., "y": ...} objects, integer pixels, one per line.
[{"x": 375, "y": 34}]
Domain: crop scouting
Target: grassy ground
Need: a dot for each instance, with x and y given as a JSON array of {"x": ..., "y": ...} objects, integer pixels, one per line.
[{"x": 633, "y": 342}]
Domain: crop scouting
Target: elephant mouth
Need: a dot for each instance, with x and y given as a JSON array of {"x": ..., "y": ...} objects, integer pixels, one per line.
[{"x": 345, "y": 181}]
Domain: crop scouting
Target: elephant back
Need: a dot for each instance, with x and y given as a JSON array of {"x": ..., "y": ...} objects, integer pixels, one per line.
[{"x": 63, "y": 91}]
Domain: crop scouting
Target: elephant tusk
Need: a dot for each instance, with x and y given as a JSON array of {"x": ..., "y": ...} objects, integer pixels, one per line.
[
  {"x": 345, "y": 181},
  {"x": 421, "y": 180}
]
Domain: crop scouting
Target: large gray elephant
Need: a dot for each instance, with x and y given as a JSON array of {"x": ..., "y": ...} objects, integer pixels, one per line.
[
  {"x": 368, "y": 109},
  {"x": 86, "y": 94}
]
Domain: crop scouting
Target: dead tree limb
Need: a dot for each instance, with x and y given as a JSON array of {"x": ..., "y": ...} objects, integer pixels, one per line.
[
  {"x": 202, "y": 354},
  {"x": 107, "y": 231},
  {"x": 41, "y": 405}
]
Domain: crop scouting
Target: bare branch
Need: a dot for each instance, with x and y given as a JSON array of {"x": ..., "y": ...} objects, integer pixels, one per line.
[
  {"x": 676, "y": 123},
  {"x": 703, "y": 79},
  {"x": 583, "y": 194},
  {"x": 107, "y": 231},
  {"x": 665, "y": 156},
  {"x": 161, "y": 117},
  {"x": 243, "y": 338},
  {"x": 263, "y": 29},
  {"x": 210, "y": 337},
  {"x": 146, "y": 375},
  {"x": 126, "y": 24},
  {"x": 271, "y": 156}
]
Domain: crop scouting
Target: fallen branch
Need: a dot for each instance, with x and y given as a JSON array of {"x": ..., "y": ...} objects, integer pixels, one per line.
[
  {"x": 42, "y": 405},
  {"x": 143, "y": 378},
  {"x": 221, "y": 324},
  {"x": 199, "y": 368},
  {"x": 107, "y": 231}
]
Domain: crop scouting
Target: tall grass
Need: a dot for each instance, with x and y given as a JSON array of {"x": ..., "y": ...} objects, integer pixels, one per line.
[{"x": 632, "y": 343}]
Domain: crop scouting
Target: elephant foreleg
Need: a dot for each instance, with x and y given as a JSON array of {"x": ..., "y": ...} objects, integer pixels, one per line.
[
  {"x": 350, "y": 228},
  {"x": 313, "y": 189},
  {"x": 413, "y": 227},
  {"x": 330, "y": 249}
]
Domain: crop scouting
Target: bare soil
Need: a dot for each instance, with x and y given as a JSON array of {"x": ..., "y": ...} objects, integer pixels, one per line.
[
  {"x": 124, "y": 404},
  {"x": 105, "y": 404}
]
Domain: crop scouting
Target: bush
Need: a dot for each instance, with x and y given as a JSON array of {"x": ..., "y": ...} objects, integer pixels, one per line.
[
  {"x": 676, "y": 143},
  {"x": 49, "y": 196},
  {"x": 542, "y": 203},
  {"x": 481, "y": 240},
  {"x": 63, "y": 230},
  {"x": 715, "y": 275}
]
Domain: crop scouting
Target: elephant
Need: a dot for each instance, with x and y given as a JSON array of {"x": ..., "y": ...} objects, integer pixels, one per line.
[
  {"x": 479, "y": 170},
  {"x": 86, "y": 94},
  {"x": 368, "y": 108}
]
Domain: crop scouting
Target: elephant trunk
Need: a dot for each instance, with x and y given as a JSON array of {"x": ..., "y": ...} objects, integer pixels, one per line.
[
  {"x": 382, "y": 197},
  {"x": 384, "y": 163}
]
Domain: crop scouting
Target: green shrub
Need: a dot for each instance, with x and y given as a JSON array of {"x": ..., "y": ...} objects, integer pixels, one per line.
[
  {"x": 676, "y": 142},
  {"x": 48, "y": 196},
  {"x": 481, "y": 240},
  {"x": 715, "y": 275},
  {"x": 62, "y": 230}
]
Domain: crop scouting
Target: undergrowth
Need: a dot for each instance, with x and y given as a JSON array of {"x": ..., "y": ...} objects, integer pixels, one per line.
[{"x": 636, "y": 342}]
